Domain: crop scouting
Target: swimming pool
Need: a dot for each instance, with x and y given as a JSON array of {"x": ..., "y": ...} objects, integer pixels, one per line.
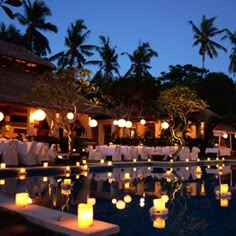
[{"x": 194, "y": 204}]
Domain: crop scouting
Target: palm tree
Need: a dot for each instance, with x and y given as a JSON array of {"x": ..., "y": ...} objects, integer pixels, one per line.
[
  {"x": 4, "y": 4},
  {"x": 109, "y": 62},
  {"x": 77, "y": 51},
  {"x": 140, "y": 60},
  {"x": 232, "y": 38},
  {"x": 34, "y": 21},
  {"x": 11, "y": 34},
  {"x": 203, "y": 35}
]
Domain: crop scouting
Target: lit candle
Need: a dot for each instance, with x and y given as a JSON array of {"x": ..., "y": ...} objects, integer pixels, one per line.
[
  {"x": 67, "y": 168},
  {"x": 3, "y": 165},
  {"x": 84, "y": 162},
  {"x": 77, "y": 163},
  {"x": 45, "y": 179},
  {"x": 127, "y": 175},
  {"x": 2, "y": 181},
  {"x": 134, "y": 160},
  {"x": 85, "y": 215},
  {"x": 102, "y": 161},
  {"x": 22, "y": 171},
  {"x": 67, "y": 181},
  {"x": 224, "y": 188},
  {"x": 21, "y": 199},
  {"x": 159, "y": 204},
  {"x": 109, "y": 163},
  {"x": 45, "y": 164}
]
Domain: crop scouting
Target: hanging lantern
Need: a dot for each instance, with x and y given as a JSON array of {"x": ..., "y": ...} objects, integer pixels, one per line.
[
  {"x": 164, "y": 125},
  {"x": 70, "y": 116},
  {"x": 1, "y": 116},
  {"x": 93, "y": 123},
  {"x": 128, "y": 124},
  {"x": 121, "y": 123},
  {"x": 142, "y": 122},
  {"x": 39, "y": 115}
]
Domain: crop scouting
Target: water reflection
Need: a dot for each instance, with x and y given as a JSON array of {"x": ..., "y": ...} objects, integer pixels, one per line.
[{"x": 200, "y": 199}]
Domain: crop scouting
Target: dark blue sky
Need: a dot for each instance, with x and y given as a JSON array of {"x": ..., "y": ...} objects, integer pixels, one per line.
[{"x": 162, "y": 23}]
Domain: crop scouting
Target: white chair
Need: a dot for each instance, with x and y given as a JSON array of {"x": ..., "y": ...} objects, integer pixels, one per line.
[
  {"x": 132, "y": 153},
  {"x": 10, "y": 153},
  {"x": 194, "y": 154},
  {"x": 53, "y": 152},
  {"x": 42, "y": 154},
  {"x": 144, "y": 154},
  {"x": 184, "y": 154},
  {"x": 116, "y": 155}
]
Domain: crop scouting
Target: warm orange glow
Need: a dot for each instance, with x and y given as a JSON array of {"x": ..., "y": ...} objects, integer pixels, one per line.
[
  {"x": 91, "y": 201},
  {"x": 21, "y": 199},
  {"x": 224, "y": 202},
  {"x": 3, "y": 165},
  {"x": 159, "y": 204},
  {"x": 45, "y": 164},
  {"x": 159, "y": 223},
  {"x": 67, "y": 181},
  {"x": 224, "y": 188},
  {"x": 85, "y": 215}
]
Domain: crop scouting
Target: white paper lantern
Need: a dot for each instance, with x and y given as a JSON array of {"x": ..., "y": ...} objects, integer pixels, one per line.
[
  {"x": 128, "y": 124},
  {"x": 93, "y": 123},
  {"x": 142, "y": 122},
  {"x": 70, "y": 116},
  {"x": 39, "y": 115},
  {"x": 164, "y": 125},
  {"x": 121, "y": 123},
  {"x": 1, "y": 116}
]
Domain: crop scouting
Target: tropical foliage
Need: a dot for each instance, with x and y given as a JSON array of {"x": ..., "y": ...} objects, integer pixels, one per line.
[
  {"x": 77, "y": 49},
  {"x": 204, "y": 35},
  {"x": 6, "y": 4},
  {"x": 179, "y": 104},
  {"x": 34, "y": 20}
]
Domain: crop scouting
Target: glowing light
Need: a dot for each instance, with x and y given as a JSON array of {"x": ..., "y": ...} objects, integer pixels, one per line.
[
  {"x": 85, "y": 215},
  {"x": 142, "y": 122},
  {"x": 93, "y": 123},
  {"x": 39, "y": 115},
  {"x": 121, "y": 123},
  {"x": 164, "y": 125},
  {"x": 128, "y": 124},
  {"x": 70, "y": 116},
  {"x": 1, "y": 116}
]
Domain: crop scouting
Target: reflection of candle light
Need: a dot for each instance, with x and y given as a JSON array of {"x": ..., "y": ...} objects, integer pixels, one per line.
[
  {"x": 45, "y": 179},
  {"x": 85, "y": 215},
  {"x": 224, "y": 202},
  {"x": 67, "y": 168},
  {"x": 127, "y": 185},
  {"x": 127, "y": 175},
  {"x": 84, "y": 162},
  {"x": 22, "y": 171},
  {"x": 159, "y": 223},
  {"x": 91, "y": 201}
]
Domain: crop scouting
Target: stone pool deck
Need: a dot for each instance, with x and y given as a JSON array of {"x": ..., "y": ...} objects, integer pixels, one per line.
[{"x": 57, "y": 221}]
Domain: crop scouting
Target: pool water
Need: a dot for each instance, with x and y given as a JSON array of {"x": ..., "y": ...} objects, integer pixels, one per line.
[{"x": 194, "y": 204}]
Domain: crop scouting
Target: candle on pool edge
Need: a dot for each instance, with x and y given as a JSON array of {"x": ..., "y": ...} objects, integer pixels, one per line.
[
  {"x": 85, "y": 215},
  {"x": 21, "y": 199}
]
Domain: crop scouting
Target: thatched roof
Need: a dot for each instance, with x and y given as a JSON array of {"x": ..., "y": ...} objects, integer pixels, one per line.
[
  {"x": 18, "y": 52},
  {"x": 15, "y": 87}
]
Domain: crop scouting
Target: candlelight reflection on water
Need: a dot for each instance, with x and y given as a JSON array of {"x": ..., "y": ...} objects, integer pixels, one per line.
[{"x": 190, "y": 198}]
